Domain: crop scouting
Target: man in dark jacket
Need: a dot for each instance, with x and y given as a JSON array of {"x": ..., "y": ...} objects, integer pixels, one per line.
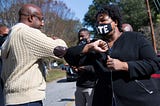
[
  {"x": 3, "y": 35},
  {"x": 124, "y": 67},
  {"x": 86, "y": 76}
]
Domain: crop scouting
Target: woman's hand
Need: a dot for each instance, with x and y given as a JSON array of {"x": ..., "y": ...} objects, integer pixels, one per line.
[
  {"x": 98, "y": 46},
  {"x": 116, "y": 64}
]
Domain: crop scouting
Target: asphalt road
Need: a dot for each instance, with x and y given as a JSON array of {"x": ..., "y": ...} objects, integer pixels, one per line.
[{"x": 60, "y": 93}]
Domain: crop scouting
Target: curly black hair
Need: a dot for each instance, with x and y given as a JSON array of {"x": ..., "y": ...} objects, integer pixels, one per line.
[{"x": 114, "y": 12}]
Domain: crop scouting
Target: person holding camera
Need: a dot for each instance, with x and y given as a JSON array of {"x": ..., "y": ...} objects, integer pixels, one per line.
[
  {"x": 123, "y": 61},
  {"x": 86, "y": 75},
  {"x": 3, "y": 35},
  {"x": 22, "y": 57}
]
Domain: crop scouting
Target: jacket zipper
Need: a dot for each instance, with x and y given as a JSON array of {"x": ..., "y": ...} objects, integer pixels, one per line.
[{"x": 143, "y": 86}]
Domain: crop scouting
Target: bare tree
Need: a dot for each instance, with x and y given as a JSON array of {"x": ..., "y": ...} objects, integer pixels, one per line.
[{"x": 58, "y": 18}]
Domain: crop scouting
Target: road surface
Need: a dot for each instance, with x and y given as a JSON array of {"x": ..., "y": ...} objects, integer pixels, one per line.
[{"x": 60, "y": 93}]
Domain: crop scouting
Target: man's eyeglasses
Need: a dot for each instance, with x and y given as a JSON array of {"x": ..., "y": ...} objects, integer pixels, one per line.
[{"x": 40, "y": 18}]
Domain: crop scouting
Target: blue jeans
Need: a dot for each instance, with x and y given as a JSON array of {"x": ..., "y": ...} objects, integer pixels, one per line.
[{"x": 37, "y": 103}]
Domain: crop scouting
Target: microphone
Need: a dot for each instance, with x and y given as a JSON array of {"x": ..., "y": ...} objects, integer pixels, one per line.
[{"x": 109, "y": 51}]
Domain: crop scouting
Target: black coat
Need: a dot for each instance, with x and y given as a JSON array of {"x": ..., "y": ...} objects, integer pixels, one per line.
[
  {"x": 132, "y": 88},
  {"x": 86, "y": 77}
]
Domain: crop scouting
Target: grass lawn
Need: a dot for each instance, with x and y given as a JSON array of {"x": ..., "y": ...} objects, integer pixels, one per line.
[{"x": 55, "y": 74}]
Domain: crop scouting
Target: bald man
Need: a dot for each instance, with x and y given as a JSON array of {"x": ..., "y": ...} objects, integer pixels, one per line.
[
  {"x": 4, "y": 29},
  {"x": 3, "y": 33},
  {"x": 22, "y": 55},
  {"x": 126, "y": 27}
]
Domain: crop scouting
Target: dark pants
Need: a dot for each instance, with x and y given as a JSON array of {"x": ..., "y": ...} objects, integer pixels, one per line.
[
  {"x": 1, "y": 95},
  {"x": 37, "y": 103},
  {"x": 1, "y": 86}
]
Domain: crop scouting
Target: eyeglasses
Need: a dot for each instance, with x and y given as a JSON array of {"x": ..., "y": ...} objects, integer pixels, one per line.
[{"x": 40, "y": 18}]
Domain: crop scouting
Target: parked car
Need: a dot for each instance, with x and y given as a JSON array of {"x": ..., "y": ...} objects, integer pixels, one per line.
[
  {"x": 54, "y": 65},
  {"x": 71, "y": 74}
]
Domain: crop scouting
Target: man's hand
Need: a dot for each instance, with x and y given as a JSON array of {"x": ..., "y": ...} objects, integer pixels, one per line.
[
  {"x": 60, "y": 51},
  {"x": 98, "y": 46}
]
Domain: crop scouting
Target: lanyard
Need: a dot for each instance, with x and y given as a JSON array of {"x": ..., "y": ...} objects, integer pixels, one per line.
[{"x": 113, "y": 95}]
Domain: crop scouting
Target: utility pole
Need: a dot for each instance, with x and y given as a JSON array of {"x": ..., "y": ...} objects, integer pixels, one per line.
[{"x": 151, "y": 26}]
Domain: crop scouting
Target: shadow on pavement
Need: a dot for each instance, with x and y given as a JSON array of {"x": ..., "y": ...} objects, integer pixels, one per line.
[
  {"x": 64, "y": 81},
  {"x": 66, "y": 99}
]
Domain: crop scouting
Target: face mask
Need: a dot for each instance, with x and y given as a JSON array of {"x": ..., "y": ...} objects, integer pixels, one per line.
[
  {"x": 104, "y": 29},
  {"x": 83, "y": 41}
]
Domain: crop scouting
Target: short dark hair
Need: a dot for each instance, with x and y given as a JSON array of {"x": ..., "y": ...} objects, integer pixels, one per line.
[
  {"x": 83, "y": 29},
  {"x": 113, "y": 11}
]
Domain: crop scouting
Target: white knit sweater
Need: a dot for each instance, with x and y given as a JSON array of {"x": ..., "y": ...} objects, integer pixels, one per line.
[{"x": 22, "y": 68}]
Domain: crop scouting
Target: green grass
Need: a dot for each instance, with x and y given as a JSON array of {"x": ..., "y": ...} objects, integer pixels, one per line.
[{"x": 55, "y": 74}]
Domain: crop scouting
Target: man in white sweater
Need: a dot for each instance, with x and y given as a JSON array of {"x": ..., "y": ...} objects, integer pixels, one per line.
[{"x": 22, "y": 53}]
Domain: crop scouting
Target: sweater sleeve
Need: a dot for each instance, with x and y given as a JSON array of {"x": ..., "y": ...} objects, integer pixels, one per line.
[{"x": 41, "y": 45}]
